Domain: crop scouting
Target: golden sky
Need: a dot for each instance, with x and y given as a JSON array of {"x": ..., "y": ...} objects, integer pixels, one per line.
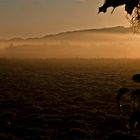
[{"x": 30, "y": 18}]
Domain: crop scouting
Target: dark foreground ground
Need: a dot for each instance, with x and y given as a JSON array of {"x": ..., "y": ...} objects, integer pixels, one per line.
[{"x": 64, "y": 99}]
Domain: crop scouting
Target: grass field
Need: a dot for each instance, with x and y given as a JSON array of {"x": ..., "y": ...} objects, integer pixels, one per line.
[{"x": 64, "y": 99}]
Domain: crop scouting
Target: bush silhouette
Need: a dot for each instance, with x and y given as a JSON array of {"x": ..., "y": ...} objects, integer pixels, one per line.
[{"x": 134, "y": 116}]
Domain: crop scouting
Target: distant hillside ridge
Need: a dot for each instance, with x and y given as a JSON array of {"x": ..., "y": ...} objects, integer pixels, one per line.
[{"x": 116, "y": 29}]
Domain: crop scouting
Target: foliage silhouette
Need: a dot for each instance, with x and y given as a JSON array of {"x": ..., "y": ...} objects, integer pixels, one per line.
[
  {"x": 132, "y": 7},
  {"x": 134, "y": 116}
]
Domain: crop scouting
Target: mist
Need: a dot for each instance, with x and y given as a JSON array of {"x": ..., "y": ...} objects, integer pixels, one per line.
[{"x": 77, "y": 44}]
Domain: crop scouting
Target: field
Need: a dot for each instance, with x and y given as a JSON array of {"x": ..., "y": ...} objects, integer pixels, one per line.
[{"x": 64, "y": 99}]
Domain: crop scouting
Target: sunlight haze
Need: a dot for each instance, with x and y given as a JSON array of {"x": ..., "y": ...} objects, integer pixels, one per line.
[{"x": 33, "y": 18}]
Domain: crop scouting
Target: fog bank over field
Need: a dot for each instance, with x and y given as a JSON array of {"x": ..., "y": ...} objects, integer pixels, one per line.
[{"x": 115, "y": 42}]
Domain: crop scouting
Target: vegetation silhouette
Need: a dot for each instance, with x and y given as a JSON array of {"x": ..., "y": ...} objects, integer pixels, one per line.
[
  {"x": 132, "y": 7},
  {"x": 134, "y": 116},
  {"x": 129, "y": 5}
]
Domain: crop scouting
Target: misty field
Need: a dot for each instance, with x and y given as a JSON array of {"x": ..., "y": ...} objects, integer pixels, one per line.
[{"x": 72, "y": 99}]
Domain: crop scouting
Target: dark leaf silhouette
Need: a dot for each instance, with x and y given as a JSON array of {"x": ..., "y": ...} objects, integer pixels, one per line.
[
  {"x": 136, "y": 78},
  {"x": 129, "y": 5}
]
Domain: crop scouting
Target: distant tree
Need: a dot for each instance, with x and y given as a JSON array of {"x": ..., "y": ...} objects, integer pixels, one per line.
[{"x": 132, "y": 8}]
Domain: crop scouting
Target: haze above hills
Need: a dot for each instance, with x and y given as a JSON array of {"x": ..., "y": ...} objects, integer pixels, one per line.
[
  {"x": 117, "y": 29},
  {"x": 113, "y": 42}
]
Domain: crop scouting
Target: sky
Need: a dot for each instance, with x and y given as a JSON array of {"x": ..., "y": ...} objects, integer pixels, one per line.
[{"x": 36, "y": 18}]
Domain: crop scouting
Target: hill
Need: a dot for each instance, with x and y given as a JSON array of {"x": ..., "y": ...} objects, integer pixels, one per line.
[
  {"x": 114, "y": 42},
  {"x": 117, "y": 29}
]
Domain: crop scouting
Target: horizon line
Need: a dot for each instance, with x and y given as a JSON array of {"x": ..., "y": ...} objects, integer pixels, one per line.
[{"x": 62, "y": 32}]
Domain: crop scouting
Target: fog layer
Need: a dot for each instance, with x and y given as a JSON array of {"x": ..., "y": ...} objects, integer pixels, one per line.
[{"x": 80, "y": 44}]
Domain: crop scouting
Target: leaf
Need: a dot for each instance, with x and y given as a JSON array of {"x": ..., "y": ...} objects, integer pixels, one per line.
[{"x": 129, "y": 5}]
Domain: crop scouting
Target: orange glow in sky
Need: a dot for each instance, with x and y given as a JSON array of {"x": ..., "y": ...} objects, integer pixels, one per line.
[{"x": 30, "y": 18}]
